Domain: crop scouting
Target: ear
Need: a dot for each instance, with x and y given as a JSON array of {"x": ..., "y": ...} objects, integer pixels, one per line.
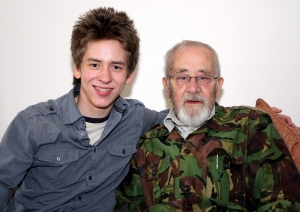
[
  {"x": 220, "y": 84},
  {"x": 166, "y": 87},
  {"x": 76, "y": 72},
  {"x": 129, "y": 79}
]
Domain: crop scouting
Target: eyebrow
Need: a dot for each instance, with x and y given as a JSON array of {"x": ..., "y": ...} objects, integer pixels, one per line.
[
  {"x": 186, "y": 70},
  {"x": 99, "y": 61}
]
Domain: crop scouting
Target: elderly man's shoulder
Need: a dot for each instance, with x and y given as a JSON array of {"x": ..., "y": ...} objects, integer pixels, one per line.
[
  {"x": 239, "y": 112},
  {"x": 157, "y": 130}
]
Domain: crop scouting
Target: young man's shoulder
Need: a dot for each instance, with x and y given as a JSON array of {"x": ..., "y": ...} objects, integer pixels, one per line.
[
  {"x": 133, "y": 103},
  {"x": 46, "y": 107}
]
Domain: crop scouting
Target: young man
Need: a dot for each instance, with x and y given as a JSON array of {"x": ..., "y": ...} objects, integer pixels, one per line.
[
  {"x": 207, "y": 157},
  {"x": 71, "y": 153}
]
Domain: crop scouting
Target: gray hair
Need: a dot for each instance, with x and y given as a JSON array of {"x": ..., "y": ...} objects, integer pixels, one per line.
[{"x": 185, "y": 43}]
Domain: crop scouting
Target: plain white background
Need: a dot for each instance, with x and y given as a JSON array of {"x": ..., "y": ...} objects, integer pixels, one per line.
[{"x": 257, "y": 41}]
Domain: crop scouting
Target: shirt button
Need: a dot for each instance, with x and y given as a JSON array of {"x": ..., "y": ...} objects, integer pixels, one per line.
[
  {"x": 188, "y": 207},
  {"x": 58, "y": 158},
  {"x": 186, "y": 151},
  {"x": 90, "y": 177},
  {"x": 82, "y": 134}
]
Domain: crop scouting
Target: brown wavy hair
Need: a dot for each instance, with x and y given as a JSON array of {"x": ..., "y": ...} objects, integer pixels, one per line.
[{"x": 105, "y": 24}]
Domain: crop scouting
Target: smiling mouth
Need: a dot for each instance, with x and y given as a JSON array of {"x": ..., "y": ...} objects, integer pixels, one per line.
[{"x": 103, "y": 90}]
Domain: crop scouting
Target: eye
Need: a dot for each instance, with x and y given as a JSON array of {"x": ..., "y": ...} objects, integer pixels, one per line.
[
  {"x": 182, "y": 77},
  {"x": 116, "y": 67},
  {"x": 94, "y": 65},
  {"x": 203, "y": 78}
]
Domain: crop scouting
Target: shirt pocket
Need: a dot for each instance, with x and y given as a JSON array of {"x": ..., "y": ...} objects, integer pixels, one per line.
[
  {"x": 120, "y": 155},
  {"x": 56, "y": 165}
]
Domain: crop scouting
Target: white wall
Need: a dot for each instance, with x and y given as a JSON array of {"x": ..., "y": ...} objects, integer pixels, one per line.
[{"x": 257, "y": 41}]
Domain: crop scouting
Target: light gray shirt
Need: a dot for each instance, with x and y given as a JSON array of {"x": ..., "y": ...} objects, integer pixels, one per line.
[{"x": 172, "y": 121}]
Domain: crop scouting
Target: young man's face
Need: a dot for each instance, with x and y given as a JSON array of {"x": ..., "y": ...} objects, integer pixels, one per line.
[{"x": 103, "y": 74}]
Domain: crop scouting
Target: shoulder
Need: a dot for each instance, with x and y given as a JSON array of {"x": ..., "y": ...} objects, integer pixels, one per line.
[
  {"x": 240, "y": 114},
  {"x": 134, "y": 103},
  {"x": 156, "y": 131},
  {"x": 45, "y": 108},
  {"x": 234, "y": 110}
]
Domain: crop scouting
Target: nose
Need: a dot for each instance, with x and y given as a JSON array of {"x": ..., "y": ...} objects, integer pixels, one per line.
[
  {"x": 104, "y": 75},
  {"x": 193, "y": 86}
]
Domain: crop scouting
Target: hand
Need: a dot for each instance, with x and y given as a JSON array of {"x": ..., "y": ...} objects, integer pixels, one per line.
[{"x": 286, "y": 118}]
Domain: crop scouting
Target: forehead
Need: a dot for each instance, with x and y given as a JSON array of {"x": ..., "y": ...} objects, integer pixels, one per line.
[
  {"x": 193, "y": 59},
  {"x": 106, "y": 48}
]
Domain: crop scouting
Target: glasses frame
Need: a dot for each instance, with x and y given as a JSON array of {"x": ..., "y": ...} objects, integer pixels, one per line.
[{"x": 190, "y": 78}]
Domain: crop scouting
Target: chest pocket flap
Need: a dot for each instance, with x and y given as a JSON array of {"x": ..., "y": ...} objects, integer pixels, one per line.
[
  {"x": 122, "y": 151},
  {"x": 58, "y": 156}
]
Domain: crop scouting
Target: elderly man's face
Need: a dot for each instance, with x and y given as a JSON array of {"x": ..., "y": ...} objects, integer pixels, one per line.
[{"x": 193, "y": 102}]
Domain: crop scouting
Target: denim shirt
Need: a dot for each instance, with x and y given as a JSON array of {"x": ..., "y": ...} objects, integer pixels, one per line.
[{"x": 46, "y": 149}]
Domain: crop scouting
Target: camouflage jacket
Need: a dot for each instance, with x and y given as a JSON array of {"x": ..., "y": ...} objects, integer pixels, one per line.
[{"x": 237, "y": 161}]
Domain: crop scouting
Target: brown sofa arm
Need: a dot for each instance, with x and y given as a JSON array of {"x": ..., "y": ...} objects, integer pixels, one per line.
[{"x": 290, "y": 135}]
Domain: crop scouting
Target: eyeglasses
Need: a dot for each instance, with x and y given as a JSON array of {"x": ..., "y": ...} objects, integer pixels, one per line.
[{"x": 183, "y": 79}]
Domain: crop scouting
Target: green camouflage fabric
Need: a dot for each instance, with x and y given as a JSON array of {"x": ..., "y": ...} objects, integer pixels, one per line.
[{"x": 237, "y": 161}]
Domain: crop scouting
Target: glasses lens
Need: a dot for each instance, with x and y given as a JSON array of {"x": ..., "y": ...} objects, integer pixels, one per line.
[
  {"x": 182, "y": 78},
  {"x": 204, "y": 79}
]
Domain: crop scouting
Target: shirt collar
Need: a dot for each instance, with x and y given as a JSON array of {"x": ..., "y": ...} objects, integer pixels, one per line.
[
  {"x": 71, "y": 112},
  {"x": 171, "y": 122}
]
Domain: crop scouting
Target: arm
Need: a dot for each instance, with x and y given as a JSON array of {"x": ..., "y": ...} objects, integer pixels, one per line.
[
  {"x": 129, "y": 194},
  {"x": 275, "y": 177},
  {"x": 286, "y": 118},
  {"x": 290, "y": 135},
  {"x": 152, "y": 118},
  {"x": 261, "y": 104},
  {"x": 14, "y": 148}
]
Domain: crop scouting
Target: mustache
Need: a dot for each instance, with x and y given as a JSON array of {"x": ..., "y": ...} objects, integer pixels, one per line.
[{"x": 193, "y": 97}]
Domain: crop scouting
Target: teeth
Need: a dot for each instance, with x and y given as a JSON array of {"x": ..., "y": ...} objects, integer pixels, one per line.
[{"x": 103, "y": 90}]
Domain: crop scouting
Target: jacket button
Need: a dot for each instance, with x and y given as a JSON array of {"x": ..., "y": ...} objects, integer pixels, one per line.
[
  {"x": 186, "y": 188},
  {"x": 188, "y": 207},
  {"x": 226, "y": 166},
  {"x": 186, "y": 151}
]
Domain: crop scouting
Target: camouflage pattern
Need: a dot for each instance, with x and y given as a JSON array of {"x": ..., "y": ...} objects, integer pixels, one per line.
[{"x": 237, "y": 161}]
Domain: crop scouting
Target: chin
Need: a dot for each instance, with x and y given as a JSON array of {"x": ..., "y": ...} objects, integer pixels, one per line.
[{"x": 194, "y": 110}]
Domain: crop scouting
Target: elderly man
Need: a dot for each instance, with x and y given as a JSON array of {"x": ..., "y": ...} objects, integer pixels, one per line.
[{"x": 207, "y": 157}]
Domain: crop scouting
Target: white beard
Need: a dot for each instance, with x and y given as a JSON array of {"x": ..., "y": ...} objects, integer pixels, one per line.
[{"x": 199, "y": 113}]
